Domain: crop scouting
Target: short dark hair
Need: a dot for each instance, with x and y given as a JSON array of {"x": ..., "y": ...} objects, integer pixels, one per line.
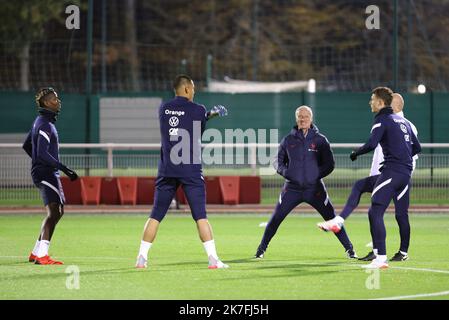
[
  {"x": 384, "y": 93},
  {"x": 42, "y": 95},
  {"x": 180, "y": 80}
]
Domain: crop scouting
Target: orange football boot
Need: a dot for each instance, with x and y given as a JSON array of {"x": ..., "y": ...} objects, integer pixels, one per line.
[
  {"x": 32, "y": 257},
  {"x": 46, "y": 260}
]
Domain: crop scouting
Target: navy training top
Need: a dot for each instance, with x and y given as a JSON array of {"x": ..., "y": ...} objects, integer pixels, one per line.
[
  {"x": 182, "y": 123},
  {"x": 42, "y": 144},
  {"x": 397, "y": 139}
]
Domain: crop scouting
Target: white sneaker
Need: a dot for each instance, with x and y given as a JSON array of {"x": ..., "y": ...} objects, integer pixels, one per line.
[
  {"x": 216, "y": 264},
  {"x": 376, "y": 264},
  {"x": 141, "y": 262},
  {"x": 333, "y": 225}
]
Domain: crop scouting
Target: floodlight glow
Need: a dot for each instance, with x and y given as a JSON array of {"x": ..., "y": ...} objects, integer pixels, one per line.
[
  {"x": 311, "y": 86},
  {"x": 421, "y": 89}
]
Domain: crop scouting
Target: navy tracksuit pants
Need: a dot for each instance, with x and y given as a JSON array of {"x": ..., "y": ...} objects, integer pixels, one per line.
[
  {"x": 389, "y": 185},
  {"x": 292, "y": 196},
  {"x": 401, "y": 203}
]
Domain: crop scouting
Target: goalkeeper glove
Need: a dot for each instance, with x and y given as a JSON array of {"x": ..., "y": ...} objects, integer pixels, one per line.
[
  {"x": 353, "y": 155},
  {"x": 220, "y": 110},
  {"x": 69, "y": 172}
]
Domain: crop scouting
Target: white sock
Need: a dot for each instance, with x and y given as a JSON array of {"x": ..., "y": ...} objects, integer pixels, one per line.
[
  {"x": 339, "y": 219},
  {"x": 36, "y": 248},
  {"x": 404, "y": 253},
  {"x": 144, "y": 248},
  {"x": 375, "y": 251},
  {"x": 43, "y": 248},
  {"x": 209, "y": 246},
  {"x": 381, "y": 258}
]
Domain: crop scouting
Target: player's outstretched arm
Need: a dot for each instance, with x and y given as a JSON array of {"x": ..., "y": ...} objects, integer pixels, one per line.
[
  {"x": 217, "y": 111},
  {"x": 377, "y": 131}
]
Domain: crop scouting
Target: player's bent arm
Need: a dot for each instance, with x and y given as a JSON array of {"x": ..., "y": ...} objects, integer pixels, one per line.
[
  {"x": 43, "y": 143},
  {"x": 326, "y": 160},
  {"x": 416, "y": 146},
  {"x": 27, "y": 146},
  {"x": 282, "y": 159}
]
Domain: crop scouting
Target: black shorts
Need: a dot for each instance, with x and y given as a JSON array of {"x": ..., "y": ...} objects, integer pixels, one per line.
[{"x": 194, "y": 189}]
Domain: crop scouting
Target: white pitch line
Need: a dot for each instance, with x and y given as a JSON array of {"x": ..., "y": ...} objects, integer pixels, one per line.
[
  {"x": 422, "y": 269},
  {"x": 423, "y": 295},
  {"x": 407, "y": 268}
]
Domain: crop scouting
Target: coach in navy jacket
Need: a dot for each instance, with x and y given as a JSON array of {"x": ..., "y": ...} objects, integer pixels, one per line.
[{"x": 304, "y": 158}]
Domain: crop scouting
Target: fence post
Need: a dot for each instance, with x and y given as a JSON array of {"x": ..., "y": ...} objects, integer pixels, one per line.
[
  {"x": 110, "y": 162},
  {"x": 208, "y": 70},
  {"x": 431, "y": 133},
  {"x": 253, "y": 159},
  {"x": 90, "y": 17}
]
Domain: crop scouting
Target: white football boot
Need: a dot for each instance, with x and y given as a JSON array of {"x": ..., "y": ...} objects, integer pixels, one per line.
[
  {"x": 216, "y": 264},
  {"x": 141, "y": 262},
  {"x": 376, "y": 264},
  {"x": 333, "y": 225}
]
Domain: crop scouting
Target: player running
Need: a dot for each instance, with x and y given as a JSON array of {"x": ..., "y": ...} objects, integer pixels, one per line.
[
  {"x": 367, "y": 185},
  {"x": 182, "y": 123},
  {"x": 42, "y": 145},
  {"x": 399, "y": 145},
  {"x": 303, "y": 159}
]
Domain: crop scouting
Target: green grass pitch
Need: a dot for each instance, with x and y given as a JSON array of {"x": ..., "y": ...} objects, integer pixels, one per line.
[{"x": 301, "y": 262}]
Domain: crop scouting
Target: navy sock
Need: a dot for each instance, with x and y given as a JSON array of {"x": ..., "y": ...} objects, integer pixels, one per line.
[{"x": 344, "y": 239}]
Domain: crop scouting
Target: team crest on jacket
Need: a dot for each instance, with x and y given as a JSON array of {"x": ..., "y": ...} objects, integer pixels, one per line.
[
  {"x": 403, "y": 128},
  {"x": 313, "y": 147}
]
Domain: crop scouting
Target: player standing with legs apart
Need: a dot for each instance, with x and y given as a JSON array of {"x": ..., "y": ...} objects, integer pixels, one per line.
[
  {"x": 399, "y": 145},
  {"x": 401, "y": 202},
  {"x": 182, "y": 123},
  {"x": 303, "y": 159},
  {"x": 42, "y": 145}
]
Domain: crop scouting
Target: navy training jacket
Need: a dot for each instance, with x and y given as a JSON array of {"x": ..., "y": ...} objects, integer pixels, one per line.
[
  {"x": 395, "y": 135},
  {"x": 42, "y": 145},
  {"x": 304, "y": 161}
]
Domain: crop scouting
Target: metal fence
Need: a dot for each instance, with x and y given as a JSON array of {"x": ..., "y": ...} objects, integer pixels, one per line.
[
  {"x": 141, "y": 45},
  {"x": 430, "y": 179}
]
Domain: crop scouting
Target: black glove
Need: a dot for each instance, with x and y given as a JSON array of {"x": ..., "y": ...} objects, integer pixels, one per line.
[
  {"x": 353, "y": 155},
  {"x": 69, "y": 173}
]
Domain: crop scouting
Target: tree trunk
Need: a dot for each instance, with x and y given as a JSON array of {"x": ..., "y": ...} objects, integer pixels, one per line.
[
  {"x": 25, "y": 67},
  {"x": 131, "y": 39}
]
